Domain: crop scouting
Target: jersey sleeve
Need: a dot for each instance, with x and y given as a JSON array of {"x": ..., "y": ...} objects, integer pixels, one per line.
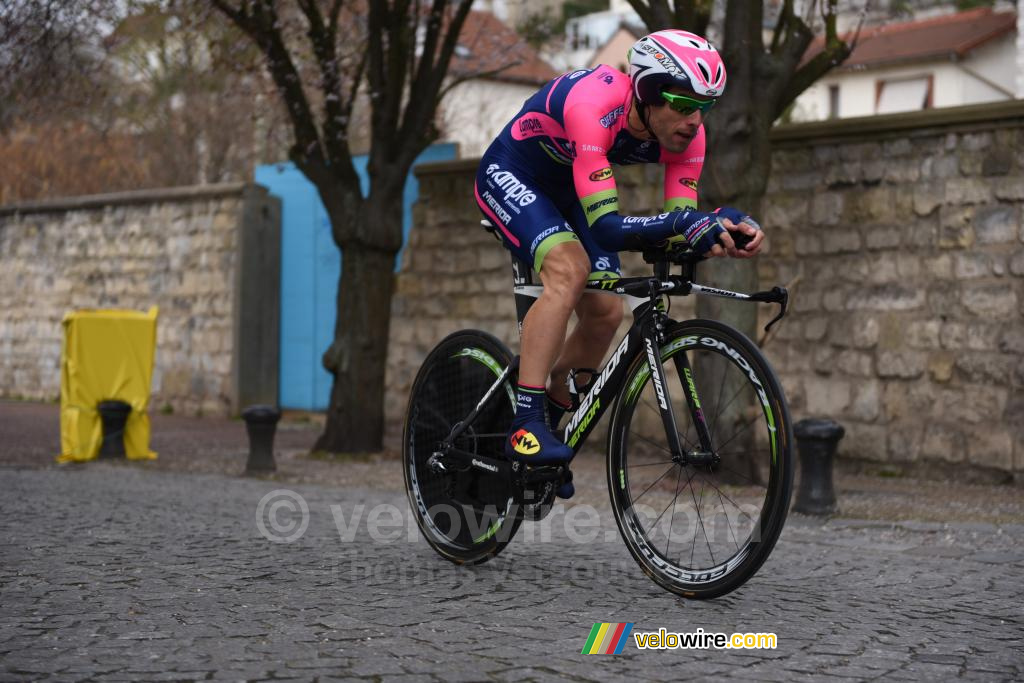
[
  {"x": 585, "y": 113},
  {"x": 591, "y": 171},
  {"x": 682, "y": 171}
]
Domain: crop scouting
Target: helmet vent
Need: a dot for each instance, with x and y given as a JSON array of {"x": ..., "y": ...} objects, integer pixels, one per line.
[{"x": 704, "y": 71}]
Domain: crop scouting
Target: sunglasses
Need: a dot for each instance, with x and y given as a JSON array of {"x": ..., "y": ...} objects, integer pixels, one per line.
[{"x": 687, "y": 105}]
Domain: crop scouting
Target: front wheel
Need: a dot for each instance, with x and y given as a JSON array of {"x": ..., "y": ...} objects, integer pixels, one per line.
[
  {"x": 468, "y": 515},
  {"x": 702, "y": 525}
]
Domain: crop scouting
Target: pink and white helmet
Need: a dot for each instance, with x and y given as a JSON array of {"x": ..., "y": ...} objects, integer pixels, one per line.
[{"x": 671, "y": 57}]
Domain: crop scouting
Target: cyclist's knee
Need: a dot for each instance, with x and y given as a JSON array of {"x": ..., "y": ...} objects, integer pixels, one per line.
[
  {"x": 564, "y": 271},
  {"x": 600, "y": 314}
]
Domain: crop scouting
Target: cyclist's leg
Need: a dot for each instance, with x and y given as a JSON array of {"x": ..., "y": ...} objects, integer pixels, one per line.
[
  {"x": 532, "y": 227},
  {"x": 598, "y": 315}
]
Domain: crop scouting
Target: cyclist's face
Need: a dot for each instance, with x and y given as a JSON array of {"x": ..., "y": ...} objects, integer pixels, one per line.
[{"x": 674, "y": 130}]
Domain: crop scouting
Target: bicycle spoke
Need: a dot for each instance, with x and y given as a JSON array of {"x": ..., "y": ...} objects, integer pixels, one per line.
[
  {"x": 701, "y": 522},
  {"x": 652, "y": 442},
  {"x": 722, "y": 493},
  {"x": 718, "y": 404},
  {"x": 650, "y": 464},
  {"x": 670, "y": 503},
  {"x": 732, "y": 532},
  {"x": 672, "y": 519},
  {"x": 652, "y": 485},
  {"x": 733, "y": 437},
  {"x": 690, "y": 444}
]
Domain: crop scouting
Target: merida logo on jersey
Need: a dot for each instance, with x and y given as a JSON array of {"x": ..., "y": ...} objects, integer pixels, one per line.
[
  {"x": 530, "y": 125},
  {"x": 611, "y": 117},
  {"x": 604, "y": 202},
  {"x": 544, "y": 235},
  {"x": 495, "y": 205},
  {"x": 515, "y": 191}
]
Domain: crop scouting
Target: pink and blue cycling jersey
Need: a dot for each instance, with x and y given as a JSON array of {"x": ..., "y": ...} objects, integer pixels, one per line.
[{"x": 547, "y": 178}]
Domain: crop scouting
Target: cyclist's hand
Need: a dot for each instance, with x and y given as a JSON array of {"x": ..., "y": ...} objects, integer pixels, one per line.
[{"x": 749, "y": 240}]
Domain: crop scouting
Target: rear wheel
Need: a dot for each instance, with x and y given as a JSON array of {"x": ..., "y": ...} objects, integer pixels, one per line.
[
  {"x": 701, "y": 530},
  {"x": 466, "y": 516}
]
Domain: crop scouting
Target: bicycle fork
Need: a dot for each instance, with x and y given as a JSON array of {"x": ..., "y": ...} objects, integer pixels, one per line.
[{"x": 704, "y": 455}]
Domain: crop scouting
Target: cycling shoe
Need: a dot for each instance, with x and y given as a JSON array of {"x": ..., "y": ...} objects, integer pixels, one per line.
[{"x": 532, "y": 443}]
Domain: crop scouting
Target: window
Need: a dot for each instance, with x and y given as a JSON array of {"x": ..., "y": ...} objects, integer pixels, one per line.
[
  {"x": 907, "y": 94},
  {"x": 833, "y": 101}
]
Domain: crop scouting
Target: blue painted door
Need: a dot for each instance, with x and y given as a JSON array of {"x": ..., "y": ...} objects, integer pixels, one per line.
[{"x": 310, "y": 268}]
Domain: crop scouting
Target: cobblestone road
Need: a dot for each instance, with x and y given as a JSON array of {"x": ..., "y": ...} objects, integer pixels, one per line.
[{"x": 120, "y": 573}]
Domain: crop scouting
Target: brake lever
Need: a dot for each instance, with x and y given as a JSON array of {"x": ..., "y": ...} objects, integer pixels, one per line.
[{"x": 776, "y": 295}]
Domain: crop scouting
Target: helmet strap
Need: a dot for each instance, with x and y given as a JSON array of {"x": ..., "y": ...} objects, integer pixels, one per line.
[{"x": 645, "y": 118}]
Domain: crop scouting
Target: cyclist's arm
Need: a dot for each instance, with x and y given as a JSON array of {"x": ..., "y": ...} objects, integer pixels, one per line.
[
  {"x": 595, "y": 186},
  {"x": 682, "y": 171}
]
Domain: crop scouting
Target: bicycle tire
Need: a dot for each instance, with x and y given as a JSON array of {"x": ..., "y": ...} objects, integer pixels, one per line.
[
  {"x": 450, "y": 382},
  {"x": 754, "y": 509}
]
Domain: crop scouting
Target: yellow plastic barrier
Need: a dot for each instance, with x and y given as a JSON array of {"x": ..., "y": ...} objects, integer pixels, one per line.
[{"x": 107, "y": 355}]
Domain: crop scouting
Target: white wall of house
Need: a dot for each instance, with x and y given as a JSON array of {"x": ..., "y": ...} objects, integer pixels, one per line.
[
  {"x": 615, "y": 52},
  {"x": 586, "y": 34},
  {"x": 474, "y": 112},
  {"x": 1020, "y": 53},
  {"x": 952, "y": 83}
]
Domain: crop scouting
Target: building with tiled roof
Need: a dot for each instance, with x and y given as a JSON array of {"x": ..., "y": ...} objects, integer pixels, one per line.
[
  {"x": 965, "y": 58},
  {"x": 507, "y": 70}
]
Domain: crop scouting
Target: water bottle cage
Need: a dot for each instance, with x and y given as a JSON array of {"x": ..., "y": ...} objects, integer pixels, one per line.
[{"x": 575, "y": 390}]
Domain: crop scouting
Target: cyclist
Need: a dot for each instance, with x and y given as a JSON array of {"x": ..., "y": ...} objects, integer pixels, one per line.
[{"x": 546, "y": 183}]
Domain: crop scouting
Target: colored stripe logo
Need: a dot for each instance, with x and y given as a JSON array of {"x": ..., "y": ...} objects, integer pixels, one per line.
[{"x": 607, "y": 639}]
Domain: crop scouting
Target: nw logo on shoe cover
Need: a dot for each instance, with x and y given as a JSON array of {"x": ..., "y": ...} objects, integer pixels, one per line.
[{"x": 525, "y": 442}]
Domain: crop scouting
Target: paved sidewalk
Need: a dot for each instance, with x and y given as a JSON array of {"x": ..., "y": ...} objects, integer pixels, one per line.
[
  {"x": 116, "y": 573},
  {"x": 164, "y": 571}
]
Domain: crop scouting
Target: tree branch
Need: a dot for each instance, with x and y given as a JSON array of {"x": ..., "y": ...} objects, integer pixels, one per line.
[
  {"x": 692, "y": 15},
  {"x": 421, "y": 109},
  {"x": 452, "y": 83},
  {"x": 335, "y": 124},
  {"x": 260, "y": 22},
  {"x": 835, "y": 52}
]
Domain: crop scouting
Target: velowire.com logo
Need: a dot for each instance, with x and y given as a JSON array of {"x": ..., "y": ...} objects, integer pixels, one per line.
[{"x": 607, "y": 639}]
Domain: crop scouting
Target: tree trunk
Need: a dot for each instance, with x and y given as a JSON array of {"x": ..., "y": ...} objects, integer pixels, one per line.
[
  {"x": 358, "y": 356},
  {"x": 737, "y": 142}
]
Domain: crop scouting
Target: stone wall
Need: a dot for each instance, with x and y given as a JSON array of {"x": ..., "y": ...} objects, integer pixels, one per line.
[
  {"x": 901, "y": 239},
  {"x": 197, "y": 253}
]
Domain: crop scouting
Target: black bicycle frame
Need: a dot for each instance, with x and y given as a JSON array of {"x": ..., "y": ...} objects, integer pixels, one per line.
[{"x": 645, "y": 335}]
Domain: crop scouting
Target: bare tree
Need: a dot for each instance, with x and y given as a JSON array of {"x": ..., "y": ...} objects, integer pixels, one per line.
[
  {"x": 188, "y": 84},
  {"x": 399, "y": 51},
  {"x": 51, "y": 57},
  {"x": 764, "y": 80}
]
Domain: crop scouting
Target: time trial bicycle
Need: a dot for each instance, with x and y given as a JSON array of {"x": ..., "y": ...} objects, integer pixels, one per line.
[{"x": 699, "y": 451}]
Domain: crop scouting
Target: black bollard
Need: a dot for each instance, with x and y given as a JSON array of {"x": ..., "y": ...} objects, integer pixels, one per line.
[
  {"x": 816, "y": 440},
  {"x": 113, "y": 417},
  {"x": 261, "y": 423}
]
